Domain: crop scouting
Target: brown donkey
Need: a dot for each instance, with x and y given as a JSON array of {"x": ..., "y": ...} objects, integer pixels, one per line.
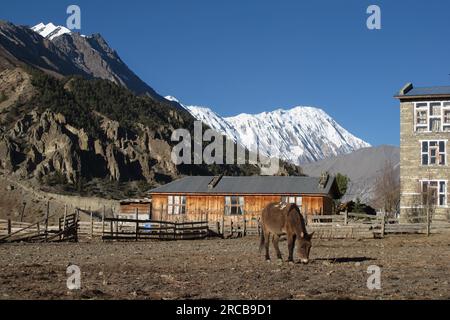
[{"x": 279, "y": 219}]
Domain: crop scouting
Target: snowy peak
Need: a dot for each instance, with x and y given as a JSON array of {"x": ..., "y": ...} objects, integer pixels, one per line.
[
  {"x": 299, "y": 135},
  {"x": 172, "y": 99},
  {"x": 50, "y": 31}
]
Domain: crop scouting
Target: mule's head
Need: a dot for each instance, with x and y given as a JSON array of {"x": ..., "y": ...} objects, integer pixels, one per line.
[{"x": 304, "y": 246}]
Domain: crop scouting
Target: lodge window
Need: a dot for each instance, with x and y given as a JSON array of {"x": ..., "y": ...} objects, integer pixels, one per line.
[
  {"x": 291, "y": 199},
  {"x": 234, "y": 205},
  {"x": 432, "y": 116},
  {"x": 433, "y": 153},
  {"x": 176, "y": 205},
  {"x": 434, "y": 192}
]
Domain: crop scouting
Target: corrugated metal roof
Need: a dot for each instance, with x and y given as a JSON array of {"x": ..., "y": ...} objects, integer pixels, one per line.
[
  {"x": 143, "y": 200},
  {"x": 427, "y": 91},
  {"x": 247, "y": 185}
]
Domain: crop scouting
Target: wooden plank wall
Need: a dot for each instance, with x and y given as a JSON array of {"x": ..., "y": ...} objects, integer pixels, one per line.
[
  {"x": 130, "y": 208},
  {"x": 211, "y": 203},
  {"x": 211, "y": 208}
]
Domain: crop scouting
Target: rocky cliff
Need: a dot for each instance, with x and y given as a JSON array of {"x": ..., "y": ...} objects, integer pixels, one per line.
[{"x": 91, "y": 137}]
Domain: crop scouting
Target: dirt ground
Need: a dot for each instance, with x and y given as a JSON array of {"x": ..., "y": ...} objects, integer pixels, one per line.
[{"x": 412, "y": 267}]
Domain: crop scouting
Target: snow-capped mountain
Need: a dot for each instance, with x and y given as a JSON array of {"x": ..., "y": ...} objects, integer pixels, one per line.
[
  {"x": 89, "y": 56},
  {"x": 58, "y": 50},
  {"x": 50, "y": 31},
  {"x": 299, "y": 135}
]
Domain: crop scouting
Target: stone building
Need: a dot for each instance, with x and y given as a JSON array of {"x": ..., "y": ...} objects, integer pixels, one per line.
[{"x": 424, "y": 161}]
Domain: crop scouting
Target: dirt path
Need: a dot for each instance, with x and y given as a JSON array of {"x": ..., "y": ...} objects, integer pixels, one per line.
[{"x": 413, "y": 267}]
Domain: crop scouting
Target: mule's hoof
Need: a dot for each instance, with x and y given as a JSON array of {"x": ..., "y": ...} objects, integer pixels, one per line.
[
  {"x": 268, "y": 260},
  {"x": 279, "y": 262},
  {"x": 291, "y": 263}
]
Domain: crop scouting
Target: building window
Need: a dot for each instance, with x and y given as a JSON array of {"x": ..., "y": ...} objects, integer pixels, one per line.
[
  {"x": 291, "y": 199},
  {"x": 234, "y": 205},
  {"x": 176, "y": 205},
  {"x": 434, "y": 192},
  {"x": 432, "y": 116},
  {"x": 446, "y": 116},
  {"x": 434, "y": 153}
]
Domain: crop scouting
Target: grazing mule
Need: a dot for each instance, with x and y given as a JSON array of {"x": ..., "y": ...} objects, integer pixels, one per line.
[{"x": 279, "y": 219}]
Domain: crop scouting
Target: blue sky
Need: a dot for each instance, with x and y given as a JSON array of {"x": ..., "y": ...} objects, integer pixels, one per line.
[{"x": 252, "y": 56}]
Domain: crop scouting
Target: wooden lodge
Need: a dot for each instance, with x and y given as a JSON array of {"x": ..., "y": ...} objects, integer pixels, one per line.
[{"x": 220, "y": 198}]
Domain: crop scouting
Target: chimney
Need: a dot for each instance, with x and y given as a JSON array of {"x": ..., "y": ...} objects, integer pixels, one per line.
[
  {"x": 213, "y": 183},
  {"x": 407, "y": 88},
  {"x": 324, "y": 179}
]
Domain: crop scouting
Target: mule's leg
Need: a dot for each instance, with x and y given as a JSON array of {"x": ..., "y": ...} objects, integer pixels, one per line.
[
  {"x": 291, "y": 245},
  {"x": 266, "y": 244},
  {"x": 276, "y": 239}
]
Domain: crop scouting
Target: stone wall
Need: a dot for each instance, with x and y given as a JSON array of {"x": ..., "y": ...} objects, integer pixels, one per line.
[{"x": 411, "y": 169}]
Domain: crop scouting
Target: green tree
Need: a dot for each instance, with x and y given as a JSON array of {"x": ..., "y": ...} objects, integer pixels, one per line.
[{"x": 342, "y": 183}]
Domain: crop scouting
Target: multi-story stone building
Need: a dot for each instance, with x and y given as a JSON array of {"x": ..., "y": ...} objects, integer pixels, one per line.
[{"x": 424, "y": 149}]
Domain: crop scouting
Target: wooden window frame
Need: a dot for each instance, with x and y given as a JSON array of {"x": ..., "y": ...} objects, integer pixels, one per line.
[
  {"x": 425, "y": 106},
  {"x": 176, "y": 205},
  {"x": 234, "y": 209},
  {"x": 429, "y": 156},
  {"x": 439, "y": 193},
  {"x": 298, "y": 200},
  {"x": 446, "y": 118}
]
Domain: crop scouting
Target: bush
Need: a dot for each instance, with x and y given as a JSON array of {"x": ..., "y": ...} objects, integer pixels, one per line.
[
  {"x": 55, "y": 179},
  {"x": 3, "y": 96}
]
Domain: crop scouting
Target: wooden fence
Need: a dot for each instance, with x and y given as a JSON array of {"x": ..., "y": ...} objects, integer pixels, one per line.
[
  {"x": 135, "y": 229},
  {"x": 199, "y": 225},
  {"x": 226, "y": 226},
  {"x": 359, "y": 225},
  {"x": 41, "y": 231},
  {"x": 345, "y": 225}
]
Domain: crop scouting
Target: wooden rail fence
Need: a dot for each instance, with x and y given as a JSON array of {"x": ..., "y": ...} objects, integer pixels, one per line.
[
  {"x": 135, "y": 229},
  {"x": 208, "y": 224},
  {"x": 67, "y": 230}
]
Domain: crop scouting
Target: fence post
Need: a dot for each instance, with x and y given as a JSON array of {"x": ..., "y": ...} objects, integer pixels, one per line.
[
  {"x": 64, "y": 219},
  {"x": 9, "y": 227},
  {"x": 116, "y": 223},
  {"x": 428, "y": 223},
  {"x": 245, "y": 227},
  {"x": 46, "y": 220},
  {"x": 60, "y": 229},
  {"x": 383, "y": 224},
  {"x": 346, "y": 217},
  {"x": 175, "y": 225},
  {"x": 75, "y": 230},
  {"x": 23, "y": 211},
  {"x": 103, "y": 223},
  {"x": 223, "y": 226},
  {"x": 137, "y": 223},
  {"x": 92, "y": 223}
]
